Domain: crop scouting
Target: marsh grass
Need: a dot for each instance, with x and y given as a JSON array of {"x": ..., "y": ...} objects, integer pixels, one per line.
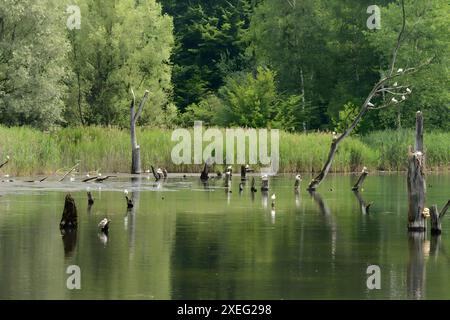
[{"x": 34, "y": 152}]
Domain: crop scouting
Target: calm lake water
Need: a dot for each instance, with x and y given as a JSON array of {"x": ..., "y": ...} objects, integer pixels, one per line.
[{"x": 185, "y": 241}]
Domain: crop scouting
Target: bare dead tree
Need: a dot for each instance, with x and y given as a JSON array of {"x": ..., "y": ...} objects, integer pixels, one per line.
[
  {"x": 385, "y": 86},
  {"x": 135, "y": 149}
]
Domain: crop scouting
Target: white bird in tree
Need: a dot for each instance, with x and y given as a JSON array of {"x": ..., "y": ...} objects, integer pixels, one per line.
[
  {"x": 7, "y": 157},
  {"x": 334, "y": 136},
  {"x": 395, "y": 84},
  {"x": 72, "y": 178},
  {"x": 370, "y": 104},
  {"x": 125, "y": 192},
  {"x": 394, "y": 100},
  {"x": 408, "y": 90},
  {"x": 403, "y": 98},
  {"x": 400, "y": 70}
]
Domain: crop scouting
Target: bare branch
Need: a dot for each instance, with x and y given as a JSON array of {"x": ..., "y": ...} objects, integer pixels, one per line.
[
  {"x": 133, "y": 102},
  {"x": 399, "y": 39},
  {"x": 141, "y": 106}
]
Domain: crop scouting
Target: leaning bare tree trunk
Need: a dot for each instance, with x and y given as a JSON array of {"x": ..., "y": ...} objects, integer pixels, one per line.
[
  {"x": 416, "y": 181},
  {"x": 135, "y": 149}
]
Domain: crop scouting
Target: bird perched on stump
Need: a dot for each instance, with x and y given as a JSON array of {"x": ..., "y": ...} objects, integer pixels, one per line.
[
  {"x": 241, "y": 187},
  {"x": 104, "y": 225},
  {"x": 130, "y": 203},
  {"x": 298, "y": 179}
]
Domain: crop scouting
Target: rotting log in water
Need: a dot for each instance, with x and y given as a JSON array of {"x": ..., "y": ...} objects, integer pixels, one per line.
[
  {"x": 89, "y": 179},
  {"x": 101, "y": 179},
  {"x": 361, "y": 179},
  {"x": 416, "y": 181},
  {"x": 69, "y": 218}
]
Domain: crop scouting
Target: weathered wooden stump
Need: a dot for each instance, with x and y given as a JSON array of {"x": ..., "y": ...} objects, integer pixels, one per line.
[
  {"x": 135, "y": 148},
  {"x": 416, "y": 181},
  {"x": 361, "y": 179},
  {"x": 69, "y": 218},
  {"x": 253, "y": 187}
]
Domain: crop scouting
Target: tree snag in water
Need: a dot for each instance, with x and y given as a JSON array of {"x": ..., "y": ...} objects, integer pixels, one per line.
[
  {"x": 69, "y": 218},
  {"x": 361, "y": 179},
  {"x": 416, "y": 181}
]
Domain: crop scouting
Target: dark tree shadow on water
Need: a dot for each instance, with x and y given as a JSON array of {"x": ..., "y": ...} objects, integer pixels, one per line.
[
  {"x": 328, "y": 219},
  {"x": 69, "y": 238},
  {"x": 418, "y": 249}
]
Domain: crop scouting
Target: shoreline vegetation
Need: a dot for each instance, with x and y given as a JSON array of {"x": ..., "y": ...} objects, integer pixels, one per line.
[{"x": 34, "y": 152}]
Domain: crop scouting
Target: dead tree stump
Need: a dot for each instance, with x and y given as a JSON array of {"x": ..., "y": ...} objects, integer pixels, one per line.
[
  {"x": 69, "y": 218},
  {"x": 416, "y": 181},
  {"x": 243, "y": 173},
  {"x": 436, "y": 227}
]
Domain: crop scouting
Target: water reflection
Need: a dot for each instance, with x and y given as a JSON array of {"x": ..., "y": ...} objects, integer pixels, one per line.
[
  {"x": 364, "y": 207},
  {"x": 69, "y": 237},
  {"x": 416, "y": 279}
]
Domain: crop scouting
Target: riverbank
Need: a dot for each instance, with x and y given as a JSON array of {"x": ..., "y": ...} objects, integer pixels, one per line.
[{"x": 34, "y": 152}]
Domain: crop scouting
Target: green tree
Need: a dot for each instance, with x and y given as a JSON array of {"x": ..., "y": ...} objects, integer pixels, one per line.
[
  {"x": 426, "y": 36},
  {"x": 121, "y": 45},
  {"x": 33, "y": 62},
  {"x": 210, "y": 45}
]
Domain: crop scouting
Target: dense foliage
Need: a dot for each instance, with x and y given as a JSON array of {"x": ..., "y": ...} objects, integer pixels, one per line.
[{"x": 291, "y": 64}]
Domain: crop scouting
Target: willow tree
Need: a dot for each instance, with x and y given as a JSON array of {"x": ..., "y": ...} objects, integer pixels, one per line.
[{"x": 387, "y": 92}]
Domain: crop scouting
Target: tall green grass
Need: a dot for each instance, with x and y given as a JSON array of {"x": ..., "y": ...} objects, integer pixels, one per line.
[{"x": 35, "y": 152}]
